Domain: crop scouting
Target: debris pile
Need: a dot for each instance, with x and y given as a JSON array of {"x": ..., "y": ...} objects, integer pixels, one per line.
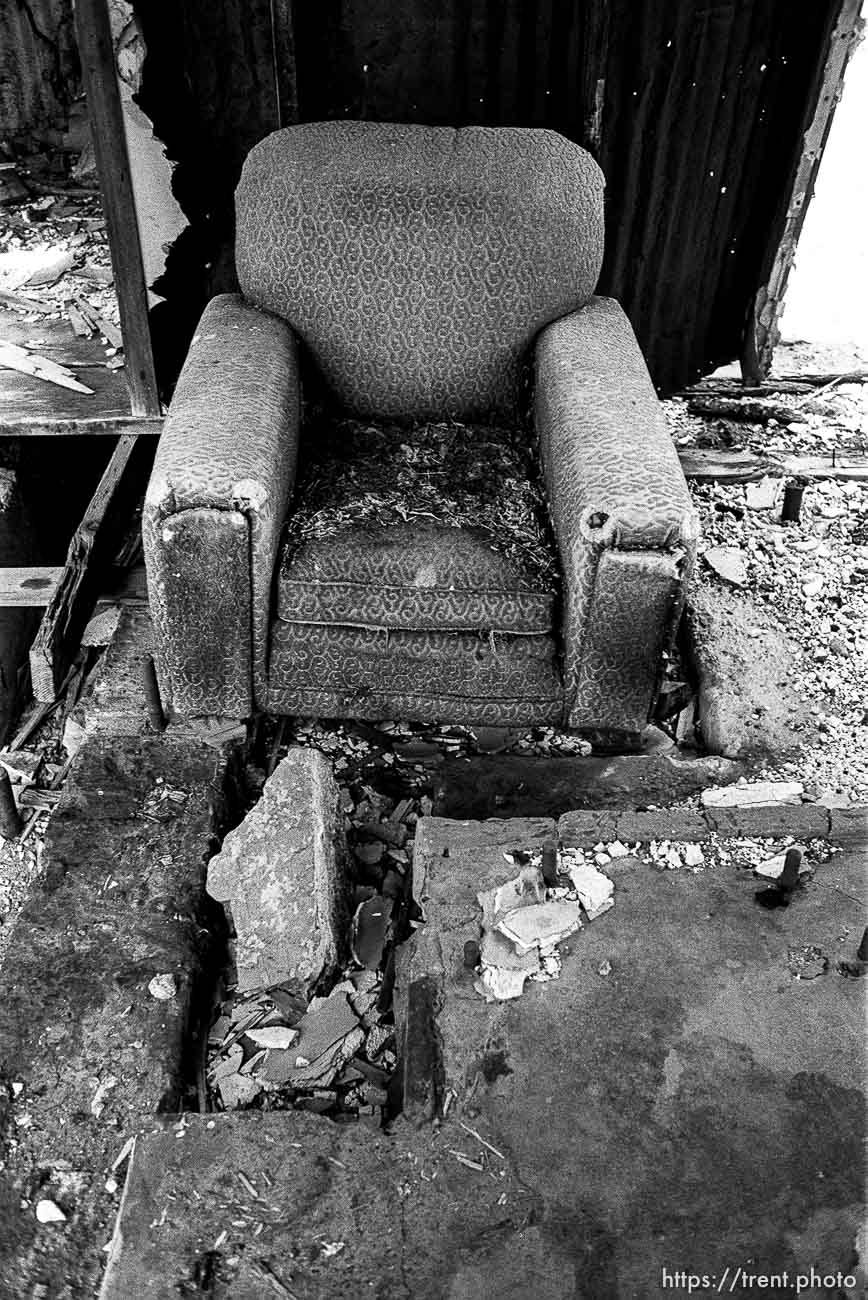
[
  {"x": 811, "y": 577},
  {"x": 335, "y": 1054},
  {"x": 55, "y": 266},
  {"x": 524, "y": 920},
  {"x": 452, "y": 475}
]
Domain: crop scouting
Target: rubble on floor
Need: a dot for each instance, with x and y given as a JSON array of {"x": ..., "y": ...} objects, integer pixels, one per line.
[
  {"x": 524, "y": 920},
  {"x": 810, "y": 577},
  {"x": 55, "y": 265}
]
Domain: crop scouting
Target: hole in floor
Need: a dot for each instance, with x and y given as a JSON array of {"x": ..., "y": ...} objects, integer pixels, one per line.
[{"x": 389, "y": 774}]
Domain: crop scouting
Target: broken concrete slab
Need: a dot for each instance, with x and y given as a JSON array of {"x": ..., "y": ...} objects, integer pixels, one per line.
[
  {"x": 453, "y": 862},
  {"x": 282, "y": 874},
  {"x": 584, "y": 829},
  {"x": 84, "y": 1045},
  {"x": 685, "y": 991},
  {"x": 804, "y": 821},
  {"x": 753, "y": 794},
  {"x": 515, "y": 785}
]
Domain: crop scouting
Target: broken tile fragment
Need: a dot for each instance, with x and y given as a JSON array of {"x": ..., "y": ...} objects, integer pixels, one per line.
[
  {"x": 280, "y": 872},
  {"x": 499, "y": 985},
  {"x": 525, "y": 890},
  {"x": 595, "y": 890},
  {"x": 542, "y": 924},
  {"x": 728, "y": 562}
]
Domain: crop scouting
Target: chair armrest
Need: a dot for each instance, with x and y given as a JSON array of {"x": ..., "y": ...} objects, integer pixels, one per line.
[
  {"x": 624, "y": 523},
  {"x": 215, "y": 506}
]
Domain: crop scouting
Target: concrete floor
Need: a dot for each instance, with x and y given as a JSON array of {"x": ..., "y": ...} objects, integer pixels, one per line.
[
  {"x": 691, "y": 1122},
  {"x": 697, "y": 1109}
]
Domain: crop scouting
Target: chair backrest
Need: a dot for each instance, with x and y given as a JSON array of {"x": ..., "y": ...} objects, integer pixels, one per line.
[{"x": 418, "y": 263}]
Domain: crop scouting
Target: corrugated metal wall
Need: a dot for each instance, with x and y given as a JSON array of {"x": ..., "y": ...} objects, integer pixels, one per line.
[
  {"x": 38, "y": 65},
  {"x": 695, "y": 109}
]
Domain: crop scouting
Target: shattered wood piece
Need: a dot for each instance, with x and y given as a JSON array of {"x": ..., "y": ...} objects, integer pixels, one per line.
[
  {"x": 27, "y": 363},
  {"x": 10, "y": 818},
  {"x": 80, "y": 326},
  {"x": 108, "y": 330},
  {"x": 758, "y": 793},
  {"x": 734, "y": 408},
  {"x": 542, "y": 924},
  {"x": 23, "y": 302},
  {"x": 400, "y": 811},
  {"x": 23, "y": 765},
  {"x": 32, "y": 798},
  {"x": 595, "y": 890}
]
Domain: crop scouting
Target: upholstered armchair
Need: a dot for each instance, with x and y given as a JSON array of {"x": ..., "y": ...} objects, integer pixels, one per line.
[{"x": 416, "y": 469}]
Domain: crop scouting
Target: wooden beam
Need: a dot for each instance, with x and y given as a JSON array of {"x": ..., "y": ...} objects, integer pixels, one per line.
[
  {"x": 761, "y": 334},
  {"x": 27, "y": 588},
  {"x": 110, "y": 426},
  {"x": 88, "y": 560},
  {"x": 104, "y": 108},
  {"x": 705, "y": 465}
]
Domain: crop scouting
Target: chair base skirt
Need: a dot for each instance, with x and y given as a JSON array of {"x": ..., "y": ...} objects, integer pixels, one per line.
[{"x": 336, "y": 671}]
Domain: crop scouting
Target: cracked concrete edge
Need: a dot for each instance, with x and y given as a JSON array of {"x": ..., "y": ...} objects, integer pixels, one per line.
[{"x": 845, "y": 826}]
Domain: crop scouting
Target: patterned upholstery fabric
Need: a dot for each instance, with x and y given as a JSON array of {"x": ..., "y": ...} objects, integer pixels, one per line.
[
  {"x": 418, "y": 263},
  {"x": 229, "y": 445},
  {"x": 363, "y": 672},
  {"x": 615, "y": 485},
  {"x": 440, "y": 527}
]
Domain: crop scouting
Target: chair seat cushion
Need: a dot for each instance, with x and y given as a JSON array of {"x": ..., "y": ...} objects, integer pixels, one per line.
[{"x": 437, "y": 527}]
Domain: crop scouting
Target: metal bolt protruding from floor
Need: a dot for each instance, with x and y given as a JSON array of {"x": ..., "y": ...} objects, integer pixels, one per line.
[
  {"x": 789, "y": 877},
  {"x": 152, "y": 694},
  {"x": 862, "y": 950},
  {"x": 791, "y": 507},
  {"x": 10, "y": 817},
  {"x": 471, "y": 954},
  {"x": 549, "y": 864}
]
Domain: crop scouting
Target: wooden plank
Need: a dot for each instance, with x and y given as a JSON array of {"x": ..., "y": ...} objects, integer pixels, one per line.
[
  {"x": 28, "y": 587},
  {"x": 711, "y": 466},
  {"x": 88, "y": 560},
  {"x": 25, "y": 398},
  {"x": 57, "y": 427},
  {"x": 110, "y": 147},
  {"x": 762, "y": 332}
]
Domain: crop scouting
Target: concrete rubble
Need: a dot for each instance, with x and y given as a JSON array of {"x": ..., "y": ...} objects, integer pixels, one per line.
[{"x": 281, "y": 874}]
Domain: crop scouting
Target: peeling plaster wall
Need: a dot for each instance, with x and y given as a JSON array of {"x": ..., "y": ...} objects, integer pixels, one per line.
[{"x": 39, "y": 68}]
